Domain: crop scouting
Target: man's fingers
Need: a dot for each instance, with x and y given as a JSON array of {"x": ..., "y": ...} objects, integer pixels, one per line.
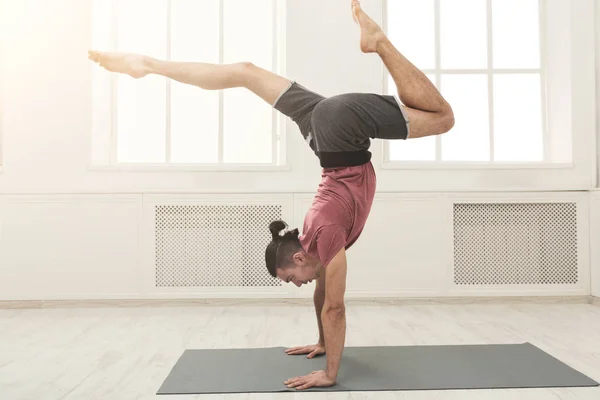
[
  {"x": 295, "y": 349},
  {"x": 306, "y": 383},
  {"x": 299, "y": 351},
  {"x": 303, "y": 384},
  {"x": 306, "y": 386},
  {"x": 315, "y": 353},
  {"x": 296, "y": 382}
]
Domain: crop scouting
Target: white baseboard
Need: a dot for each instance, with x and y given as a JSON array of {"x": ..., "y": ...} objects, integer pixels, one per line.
[{"x": 305, "y": 302}]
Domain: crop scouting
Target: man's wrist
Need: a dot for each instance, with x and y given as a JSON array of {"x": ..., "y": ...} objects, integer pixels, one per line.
[{"x": 330, "y": 376}]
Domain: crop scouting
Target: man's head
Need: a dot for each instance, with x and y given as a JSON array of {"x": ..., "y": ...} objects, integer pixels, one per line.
[{"x": 286, "y": 258}]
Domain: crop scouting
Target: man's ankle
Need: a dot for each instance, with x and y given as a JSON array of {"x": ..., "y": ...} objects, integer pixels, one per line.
[
  {"x": 150, "y": 65},
  {"x": 383, "y": 43}
]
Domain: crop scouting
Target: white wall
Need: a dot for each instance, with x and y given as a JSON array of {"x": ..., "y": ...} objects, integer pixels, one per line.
[
  {"x": 595, "y": 195},
  {"x": 70, "y": 232},
  {"x": 103, "y": 247},
  {"x": 597, "y": 20},
  {"x": 594, "y": 240}
]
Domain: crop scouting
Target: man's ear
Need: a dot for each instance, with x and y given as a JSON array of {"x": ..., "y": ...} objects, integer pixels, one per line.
[{"x": 299, "y": 258}]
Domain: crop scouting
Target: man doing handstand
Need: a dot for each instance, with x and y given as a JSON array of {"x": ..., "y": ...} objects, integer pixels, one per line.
[{"x": 338, "y": 129}]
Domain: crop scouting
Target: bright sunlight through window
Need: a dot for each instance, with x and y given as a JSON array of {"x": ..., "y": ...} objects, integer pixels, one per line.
[
  {"x": 485, "y": 58},
  {"x": 159, "y": 121}
]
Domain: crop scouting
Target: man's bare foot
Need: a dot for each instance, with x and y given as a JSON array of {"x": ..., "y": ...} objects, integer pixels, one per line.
[
  {"x": 134, "y": 65},
  {"x": 371, "y": 33}
]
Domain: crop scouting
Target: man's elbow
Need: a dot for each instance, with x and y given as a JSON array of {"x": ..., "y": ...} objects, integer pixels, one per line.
[{"x": 335, "y": 310}]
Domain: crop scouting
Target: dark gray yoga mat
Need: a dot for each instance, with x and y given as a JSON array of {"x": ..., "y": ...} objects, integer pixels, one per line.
[{"x": 374, "y": 369}]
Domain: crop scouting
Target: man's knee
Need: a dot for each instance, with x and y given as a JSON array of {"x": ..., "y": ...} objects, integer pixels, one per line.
[
  {"x": 447, "y": 121},
  {"x": 244, "y": 65},
  {"x": 423, "y": 123},
  {"x": 243, "y": 72}
]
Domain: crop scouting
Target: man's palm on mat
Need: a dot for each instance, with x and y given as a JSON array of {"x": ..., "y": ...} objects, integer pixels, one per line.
[
  {"x": 314, "y": 379},
  {"x": 312, "y": 350}
]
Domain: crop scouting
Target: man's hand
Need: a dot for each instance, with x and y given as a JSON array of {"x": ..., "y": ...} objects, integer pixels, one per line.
[
  {"x": 315, "y": 379},
  {"x": 312, "y": 351}
]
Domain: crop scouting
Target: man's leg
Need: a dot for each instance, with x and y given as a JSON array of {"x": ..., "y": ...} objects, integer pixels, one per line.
[
  {"x": 261, "y": 82},
  {"x": 428, "y": 112},
  {"x": 287, "y": 97}
]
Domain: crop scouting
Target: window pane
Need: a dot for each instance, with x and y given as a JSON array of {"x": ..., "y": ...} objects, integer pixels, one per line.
[
  {"x": 469, "y": 140},
  {"x": 248, "y": 129},
  {"x": 194, "y": 112},
  {"x": 422, "y": 149},
  {"x": 141, "y": 114},
  {"x": 101, "y": 84},
  {"x": 248, "y": 120},
  {"x": 141, "y": 119},
  {"x": 142, "y": 27},
  {"x": 463, "y": 26},
  {"x": 101, "y": 26},
  {"x": 516, "y": 33},
  {"x": 518, "y": 118},
  {"x": 194, "y": 125},
  {"x": 411, "y": 27}
]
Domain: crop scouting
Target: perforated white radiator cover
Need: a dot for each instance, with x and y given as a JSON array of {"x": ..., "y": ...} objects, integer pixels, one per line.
[
  {"x": 213, "y": 245},
  {"x": 515, "y": 244}
]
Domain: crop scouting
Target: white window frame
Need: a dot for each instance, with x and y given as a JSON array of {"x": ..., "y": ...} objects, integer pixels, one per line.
[
  {"x": 2, "y": 85},
  {"x": 388, "y": 163},
  {"x": 2, "y": 103},
  {"x": 104, "y": 142}
]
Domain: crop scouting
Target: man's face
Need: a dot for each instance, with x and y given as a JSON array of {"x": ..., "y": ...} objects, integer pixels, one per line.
[{"x": 301, "y": 273}]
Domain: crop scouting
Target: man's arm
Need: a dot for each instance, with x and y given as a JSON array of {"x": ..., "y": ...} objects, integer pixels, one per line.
[
  {"x": 319, "y": 300},
  {"x": 334, "y": 313}
]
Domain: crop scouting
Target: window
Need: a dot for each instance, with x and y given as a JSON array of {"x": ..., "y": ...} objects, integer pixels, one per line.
[
  {"x": 4, "y": 33},
  {"x": 487, "y": 58},
  {"x": 161, "y": 122}
]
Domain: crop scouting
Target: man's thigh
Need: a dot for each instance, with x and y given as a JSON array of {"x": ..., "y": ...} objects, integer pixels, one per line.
[{"x": 298, "y": 103}]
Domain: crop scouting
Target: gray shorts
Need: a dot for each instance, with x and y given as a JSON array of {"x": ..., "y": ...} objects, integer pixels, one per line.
[{"x": 339, "y": 129}]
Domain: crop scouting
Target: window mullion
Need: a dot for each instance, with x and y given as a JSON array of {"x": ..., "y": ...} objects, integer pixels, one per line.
[
  {"x": 114, "y": 98},
  {"x": 168, "y": 84},
  {"x": 276, "y": 138},
  {"x": 490, "y": 43},
  {"x": 482, "y": 71},
  {"x": 438, "y": 68},
  {"x": 546, "y": 137},
  {"x": 385, "y": 145},
  {"x": 221, "y": 92}
]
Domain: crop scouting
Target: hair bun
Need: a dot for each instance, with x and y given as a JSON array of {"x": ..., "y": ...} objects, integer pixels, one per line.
[{"x": 276, "y": 227}]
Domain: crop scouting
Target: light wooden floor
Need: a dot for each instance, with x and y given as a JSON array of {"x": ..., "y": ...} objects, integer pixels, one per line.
[{"x": 126, "y": 353}]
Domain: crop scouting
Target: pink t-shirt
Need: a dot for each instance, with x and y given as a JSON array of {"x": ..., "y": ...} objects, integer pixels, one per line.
[{"x": 339, "y": 211}]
